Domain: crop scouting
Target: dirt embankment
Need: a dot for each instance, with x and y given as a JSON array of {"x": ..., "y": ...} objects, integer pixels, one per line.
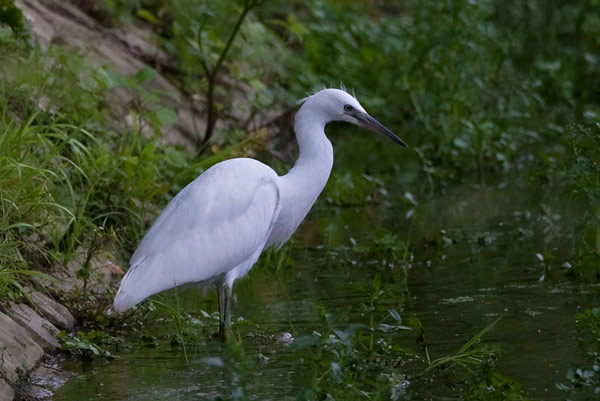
[{"x": 125, "y": 50}]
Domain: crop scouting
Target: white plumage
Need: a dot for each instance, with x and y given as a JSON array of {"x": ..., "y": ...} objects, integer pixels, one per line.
[{"x": 215, "y": 229}]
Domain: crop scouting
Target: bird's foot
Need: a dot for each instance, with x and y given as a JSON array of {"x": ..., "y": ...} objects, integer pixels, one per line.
[{"x": 222, "y": 334}]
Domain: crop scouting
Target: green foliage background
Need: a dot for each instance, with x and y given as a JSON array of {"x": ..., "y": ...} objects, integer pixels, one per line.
[{"x": 475, "y": 88}]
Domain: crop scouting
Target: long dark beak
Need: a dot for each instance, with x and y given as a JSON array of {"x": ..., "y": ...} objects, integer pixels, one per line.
[{"x": 368, "y": 122}]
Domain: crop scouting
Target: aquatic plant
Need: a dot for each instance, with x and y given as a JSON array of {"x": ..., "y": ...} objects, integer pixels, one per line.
[
  {"x": 352, "y": 189},
  {"x": 585, "y": 380},
  {"x": 471, "y": 353},
  {"x": 349, "y": 364},
  {"x": 583, "y": 179},
  {"x": 87, "y": 345},
  {"x": 387, "y": 249}
]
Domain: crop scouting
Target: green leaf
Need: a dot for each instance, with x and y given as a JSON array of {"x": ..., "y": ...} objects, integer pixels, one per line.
[
  {"x": 11, "y": 15},
  {"x": 176, "y": 158},
  {"x": 305, "y": 342},
  {"x": 395, "y": 315},
  {"x": 148, "y": 16},
  {"x": 110, "y": 80},
  {"x": 478, "y": 336},
  {"x": 144, "y": 75},
  {"x": 296, "y": 27},
  {"x": 338, "y": 374},
  {"x": 166, "y": 116}
]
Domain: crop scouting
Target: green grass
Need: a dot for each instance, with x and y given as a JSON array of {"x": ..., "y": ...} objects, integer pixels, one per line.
[
  {"x": 69, "y": 178},
  {"x": 29, "y": 155}
]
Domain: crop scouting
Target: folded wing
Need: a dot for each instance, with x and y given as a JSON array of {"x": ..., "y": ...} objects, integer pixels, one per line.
[{"x": 218, "y": 222}]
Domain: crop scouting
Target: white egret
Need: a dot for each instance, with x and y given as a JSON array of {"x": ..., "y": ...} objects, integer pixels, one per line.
[{"x": 215, "y": 229}]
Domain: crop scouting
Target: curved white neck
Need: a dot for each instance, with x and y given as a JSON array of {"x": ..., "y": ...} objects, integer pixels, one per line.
[
  {"x": 313, "y": 166},
  {"x": 301, "y": 186}
]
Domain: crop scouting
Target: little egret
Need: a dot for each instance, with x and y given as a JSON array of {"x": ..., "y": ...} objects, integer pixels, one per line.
[{"x": 215, "y": 229}]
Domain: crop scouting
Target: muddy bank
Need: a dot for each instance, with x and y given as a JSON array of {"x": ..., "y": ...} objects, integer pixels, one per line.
[
  {"x": 29, "y": 330},
  {"x": 27, "y": 333}
]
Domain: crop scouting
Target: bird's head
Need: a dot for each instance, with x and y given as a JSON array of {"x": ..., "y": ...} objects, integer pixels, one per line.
[{"x": 339, "y": 105}]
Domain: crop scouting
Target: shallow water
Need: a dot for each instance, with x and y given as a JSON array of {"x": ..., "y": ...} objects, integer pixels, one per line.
[{"x": 474, "y": 259}]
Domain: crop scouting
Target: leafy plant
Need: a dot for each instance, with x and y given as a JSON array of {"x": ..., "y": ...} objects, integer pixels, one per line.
[
  {"x": 496, "y": 387},
  {"x": 387, "y": 249},
  {"x": 188, "y": 329},
  {"x": 86, "y": 345},
  {"x": 583, "y": 179},
  {"x": 358, "y": 361},
  {"x": 348, "y": 364},
  {"x": 12, "y": 16},
  {"x": 351, "y": 189},
  {"x": 204, "y": 38},
  {"x": 586, "y": 380}
]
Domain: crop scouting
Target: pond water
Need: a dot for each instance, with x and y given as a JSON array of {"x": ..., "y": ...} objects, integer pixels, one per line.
[{"x": 473, "y": 259}]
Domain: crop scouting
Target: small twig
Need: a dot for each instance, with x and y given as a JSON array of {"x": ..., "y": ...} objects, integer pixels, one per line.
[{"x": 211, "y": 75}]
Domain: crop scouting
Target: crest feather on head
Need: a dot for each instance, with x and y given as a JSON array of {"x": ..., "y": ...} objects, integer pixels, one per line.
[{"x": 319, "y": 88}]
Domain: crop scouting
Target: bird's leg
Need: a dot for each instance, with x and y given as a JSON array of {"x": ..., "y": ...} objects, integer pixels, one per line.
[
  {"x": 224, "y": 295},
  {"x": 227, "y": 314},
  {"x": 221, "y": 296}
]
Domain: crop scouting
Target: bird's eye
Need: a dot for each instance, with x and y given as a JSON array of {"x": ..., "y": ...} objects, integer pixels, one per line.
[{"x": 348, "y": 108}]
